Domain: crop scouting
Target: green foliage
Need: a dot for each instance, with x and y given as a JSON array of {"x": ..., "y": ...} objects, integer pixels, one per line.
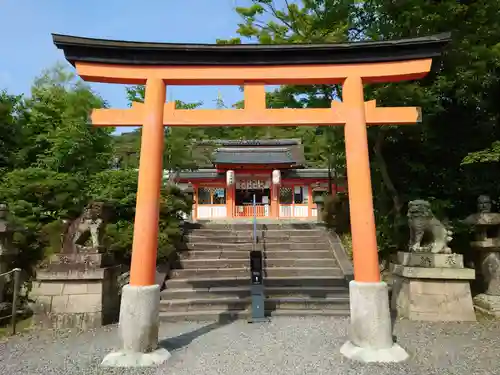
[
  {"x": 437, "y": 160},
  {"x": 11, "y": 109},
  {"x": 38, "y": 198},
  {"x": 331, "y": 208},
  {"x": 491, "y": 154},
  {"x": 57, "y": 134},
  {"x": 335, "y": 212},
  {"x": 346, "y": 240},
  {"x": 179, "y": 141},
  {"x": 118, "y": 189},
  {"x": 54, "y": 162}
]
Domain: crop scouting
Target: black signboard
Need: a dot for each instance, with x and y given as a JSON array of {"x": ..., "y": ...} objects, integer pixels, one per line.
[{"x": 256, "y": 267}]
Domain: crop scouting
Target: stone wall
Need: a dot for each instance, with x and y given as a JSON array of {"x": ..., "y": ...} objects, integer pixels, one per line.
[{"x": 75, "y": 298}]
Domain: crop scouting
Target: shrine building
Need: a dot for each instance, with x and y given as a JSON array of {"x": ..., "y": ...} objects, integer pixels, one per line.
[{"x": 272, "y": 170}]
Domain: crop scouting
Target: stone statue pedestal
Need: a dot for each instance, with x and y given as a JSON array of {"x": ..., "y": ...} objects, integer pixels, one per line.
[
  {"x": 77, "y": 290},
  {"x": 432, "y": 287}
]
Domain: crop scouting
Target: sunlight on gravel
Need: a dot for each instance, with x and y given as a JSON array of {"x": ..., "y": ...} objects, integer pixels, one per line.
[{"x": 291, "y": 346}]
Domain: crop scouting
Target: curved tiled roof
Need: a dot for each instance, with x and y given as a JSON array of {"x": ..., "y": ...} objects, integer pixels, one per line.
[
  {"x": 145, "y": 53},
  {"x": 268, "y": 155}
]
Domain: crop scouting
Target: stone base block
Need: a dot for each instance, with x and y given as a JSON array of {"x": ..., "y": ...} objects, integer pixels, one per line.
[
  {"x": 424, "y": 294},
  {"x": 393, "y": 354},
  {"x": 370, "y": 333},
  {"x": 488, "y": 304},
  {"x": 132, "y": 359},
  {"x": 139, "y": 323},
  {"x": 76, "y": 299}
]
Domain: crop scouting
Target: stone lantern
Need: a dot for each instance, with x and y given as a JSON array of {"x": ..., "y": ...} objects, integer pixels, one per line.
[
  {"x": 189, "y": 190},
  {"x": 320, "y": 204},
  {"x": 7, "y": 249},
  {"x": 486, "y": 244}
]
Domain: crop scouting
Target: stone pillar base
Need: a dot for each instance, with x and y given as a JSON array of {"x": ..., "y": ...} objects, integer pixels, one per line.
[
  {"x": 139, "y": 323},
  {"x": 370, "y": 334},
  {"x": 437, "y": 291}
]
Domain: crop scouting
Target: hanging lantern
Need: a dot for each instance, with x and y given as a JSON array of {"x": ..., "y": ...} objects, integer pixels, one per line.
[
  {"x": 230, "y": 178},
  {"x": 276, "y": 177}
]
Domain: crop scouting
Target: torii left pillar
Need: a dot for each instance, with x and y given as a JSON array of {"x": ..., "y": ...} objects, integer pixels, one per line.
[{"x": 140, "y": 304}]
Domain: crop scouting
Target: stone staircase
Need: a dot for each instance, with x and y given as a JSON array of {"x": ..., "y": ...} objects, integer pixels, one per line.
[{"x": 306, "y": 272}]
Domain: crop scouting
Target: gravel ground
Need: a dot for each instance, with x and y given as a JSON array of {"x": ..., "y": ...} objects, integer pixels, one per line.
[{"x": 284, "y": 346}]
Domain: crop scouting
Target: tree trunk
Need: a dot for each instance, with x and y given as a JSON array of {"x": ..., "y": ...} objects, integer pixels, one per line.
[
  {"x": 397, "y": 205},
  {"x": 386, "y": 178}
]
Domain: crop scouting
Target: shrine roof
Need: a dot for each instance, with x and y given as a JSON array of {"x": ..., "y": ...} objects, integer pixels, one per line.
[
  {"x": 286, "y": 173},
  {"x": 271, "y": 155},
  {"x": 146, "y": 53},
  {"x": 251, "y": 142},
  {"x": 262, "y": 152}
]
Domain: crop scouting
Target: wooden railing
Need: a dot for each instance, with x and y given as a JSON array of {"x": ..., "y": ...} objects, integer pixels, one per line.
[
  {"x": 15, "y": 294},
  {"x": 211, "y": 211},
  {"x": 248, "y": 211},
  {"x": 294, "y": 210}
]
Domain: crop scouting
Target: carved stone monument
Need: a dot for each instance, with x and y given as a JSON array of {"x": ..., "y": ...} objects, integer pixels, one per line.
[
  {"x": 430, "y": 282},
  {"x": 486, "y": 244},
  {"x": 78, "y": 286},
  {"x": 7, "y": 249}
]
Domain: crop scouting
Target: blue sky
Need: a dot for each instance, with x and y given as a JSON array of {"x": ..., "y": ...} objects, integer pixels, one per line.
[{"x": 27, "y": 48}]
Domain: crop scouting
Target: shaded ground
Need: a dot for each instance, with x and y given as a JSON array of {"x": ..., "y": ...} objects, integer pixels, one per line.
[{"x": 290, "y": 346}]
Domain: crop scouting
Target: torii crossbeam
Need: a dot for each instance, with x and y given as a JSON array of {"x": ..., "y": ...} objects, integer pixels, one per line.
[{"x": 157, "y": 65}]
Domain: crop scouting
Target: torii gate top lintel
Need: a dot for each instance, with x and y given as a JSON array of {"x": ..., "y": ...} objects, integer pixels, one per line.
[
  {"x": 128, "y": 62},
  {"x": 253, "y": 66}
]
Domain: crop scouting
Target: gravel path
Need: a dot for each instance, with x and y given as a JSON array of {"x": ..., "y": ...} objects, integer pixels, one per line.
[{"x": 284, "y": 346}]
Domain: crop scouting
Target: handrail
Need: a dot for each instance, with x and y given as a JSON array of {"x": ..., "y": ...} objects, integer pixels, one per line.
[{"x": 17, "y": 281}]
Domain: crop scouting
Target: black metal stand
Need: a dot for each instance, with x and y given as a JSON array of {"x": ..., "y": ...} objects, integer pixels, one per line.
[
  {"x": 257, "y": 288},
  {"x": 257, "y": 280}
]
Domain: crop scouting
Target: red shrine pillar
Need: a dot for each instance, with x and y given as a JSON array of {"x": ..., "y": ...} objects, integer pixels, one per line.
[{"x": 140, "y": 304}]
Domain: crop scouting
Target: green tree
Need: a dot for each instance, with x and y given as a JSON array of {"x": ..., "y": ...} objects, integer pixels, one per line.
[
  {"x": 38, "y": 199},
  {"x": 11, "y": 116},
  {"x": 54, "y": 163},
  {"x": 118, "y": 189},
  {"x": 308, "y": 21},
  {"x": 179, "y": 153},
  {"x": 57, "y": 134},
  {"x": 459, "y": 100}
]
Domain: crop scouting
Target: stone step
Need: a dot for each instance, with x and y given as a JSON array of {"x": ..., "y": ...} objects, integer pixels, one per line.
[
  {"x": 231, "y": 303},
  {"x": 196, "y": 238},
  {"x": 270, "y": 254},
  {"x": 244, "y": 291},
  {"x": 188, "y": 264},
  {"x": 244, "y": 272},
  {"x": 226, "y": 316},
  {"x": 273, "y": 233},
  {"x": 284, "y": 281},
  {"x": 249, "y": 226},
  {"x": 285, "y": 245}
]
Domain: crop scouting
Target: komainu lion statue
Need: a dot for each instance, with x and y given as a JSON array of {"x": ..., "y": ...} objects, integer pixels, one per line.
[
  {"x": 88, "y": 224},
  {"x": 427, "y": 234}
]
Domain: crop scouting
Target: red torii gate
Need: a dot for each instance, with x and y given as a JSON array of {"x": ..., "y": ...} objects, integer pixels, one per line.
[{"x": 157, "y": 65}]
